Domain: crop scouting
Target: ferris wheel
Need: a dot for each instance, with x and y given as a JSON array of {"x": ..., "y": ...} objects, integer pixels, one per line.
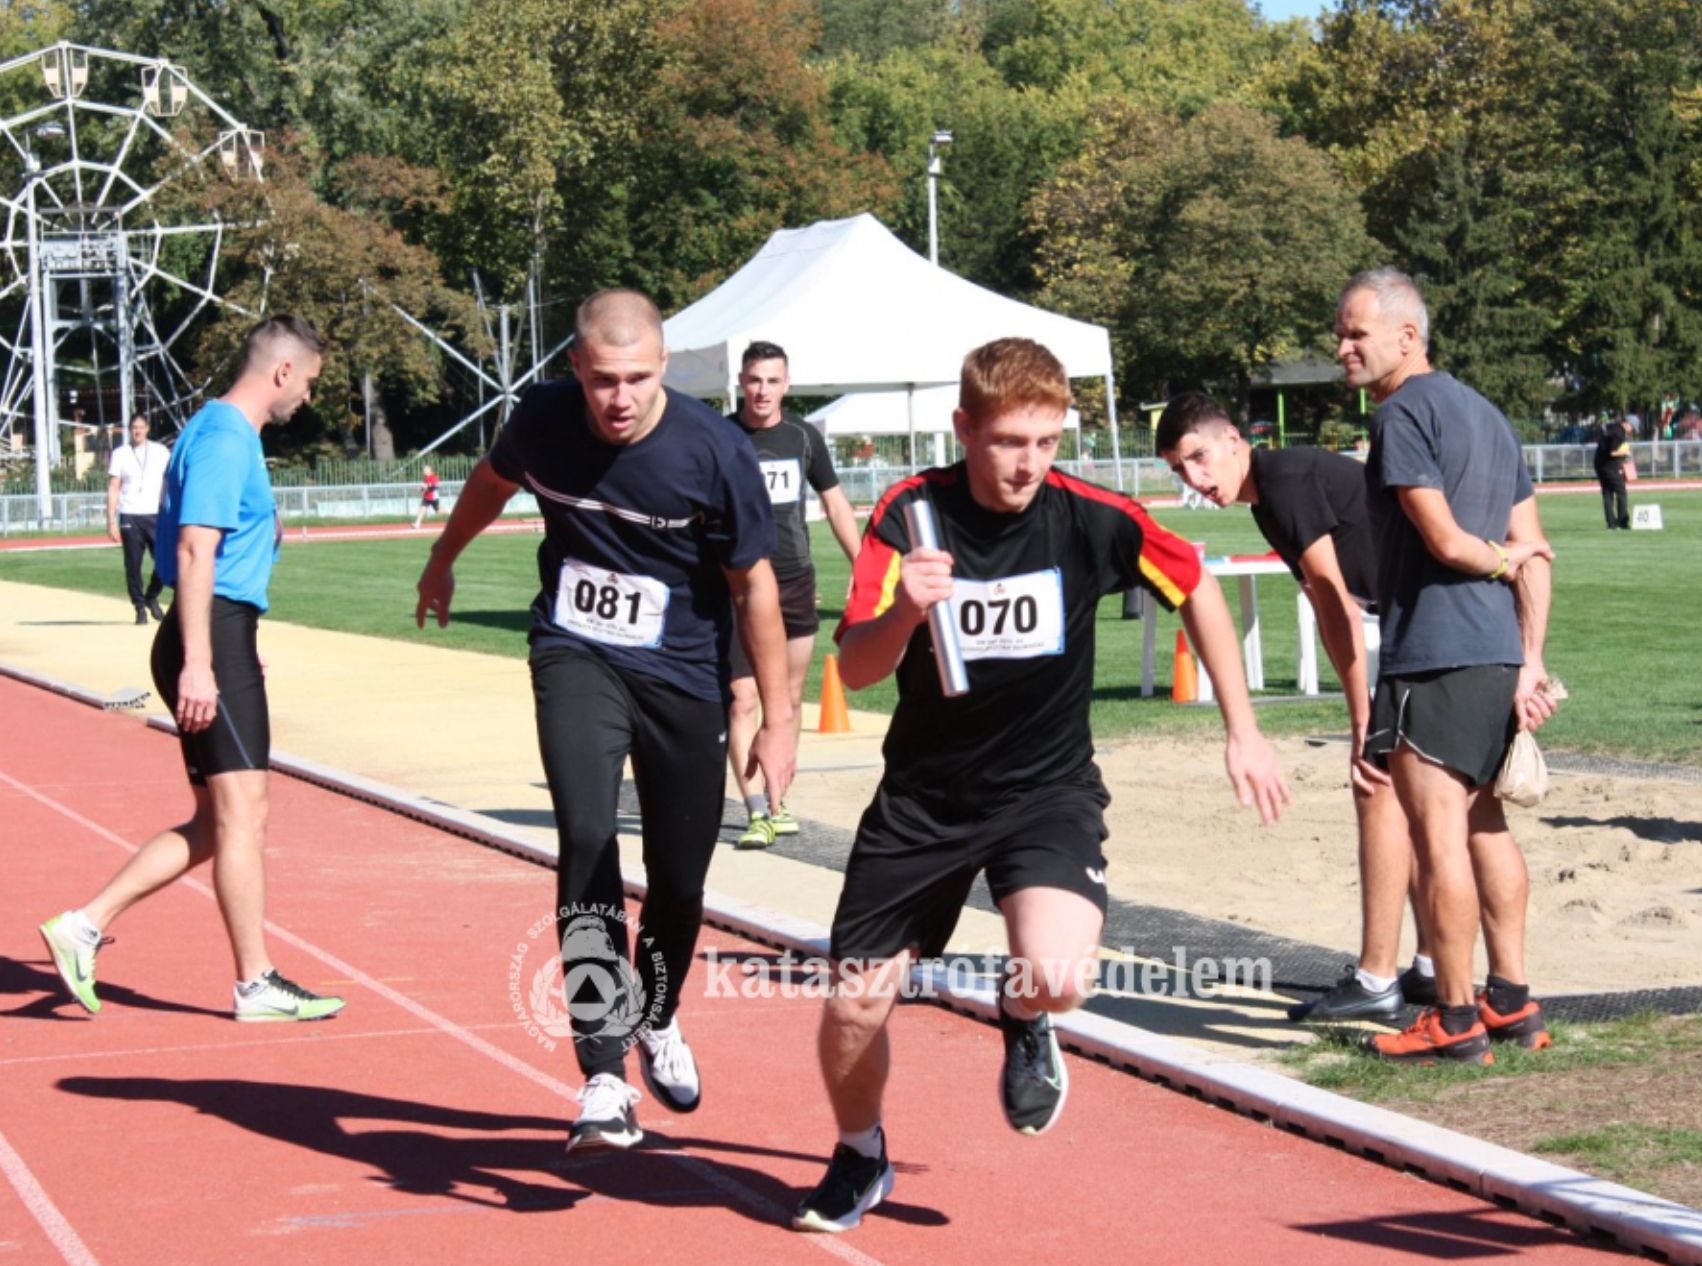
[{"x": 100, "y": 275}]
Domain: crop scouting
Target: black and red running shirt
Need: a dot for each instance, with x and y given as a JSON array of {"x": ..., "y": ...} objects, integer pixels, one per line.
[{"x": 1026, "y": 592}]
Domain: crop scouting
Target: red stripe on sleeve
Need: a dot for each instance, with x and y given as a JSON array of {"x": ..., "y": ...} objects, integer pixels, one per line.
[{"x": 1167, "y": 563}]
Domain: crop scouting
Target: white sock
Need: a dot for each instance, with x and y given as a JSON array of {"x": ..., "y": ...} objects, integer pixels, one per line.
[
  {"x": 1376, "y": 984},
  {"x": 863, "y": 1142},
  {"x": 1424, "y": 965},
  {"x": 1017, "y": 1011},
  {"x": 82, "y": 926},
  {"x": 756, "y": 805},
  {"x": 248, "y": 988}
]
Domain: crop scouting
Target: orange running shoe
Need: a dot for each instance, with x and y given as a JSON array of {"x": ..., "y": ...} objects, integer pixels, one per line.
[
  {"x": 1427, "y": 1042},
  {"x": 1524, "y": 1026}
]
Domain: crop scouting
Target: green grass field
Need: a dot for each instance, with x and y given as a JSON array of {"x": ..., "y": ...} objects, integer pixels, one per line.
[{"x": 1625, "y": 634}]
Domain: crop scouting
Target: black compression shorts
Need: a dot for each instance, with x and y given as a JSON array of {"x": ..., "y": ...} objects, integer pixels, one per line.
[
  {"x": 241, "y": 734},
  {"x": 911, "y": 870}
]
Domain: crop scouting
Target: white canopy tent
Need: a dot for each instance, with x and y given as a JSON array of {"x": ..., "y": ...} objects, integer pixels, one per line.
[
  {"x": 858, "y": 311},
  {"x": 928, "y": 411}
]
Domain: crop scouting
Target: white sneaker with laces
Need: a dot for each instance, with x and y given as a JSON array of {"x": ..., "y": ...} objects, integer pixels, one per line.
[
  {"x": 606, "y": 1118},
  {"x": 275, "y": 997},
  {"x": 670, "y": 1069}
]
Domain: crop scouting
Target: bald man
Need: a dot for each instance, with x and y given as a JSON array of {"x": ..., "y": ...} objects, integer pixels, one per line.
[
  {"x": 218, "y": 535},
  {"x": 657, "y": 527}
]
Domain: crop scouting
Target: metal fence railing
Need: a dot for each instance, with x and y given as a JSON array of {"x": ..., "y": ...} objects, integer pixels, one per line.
[{"x": 863, "y": 479}]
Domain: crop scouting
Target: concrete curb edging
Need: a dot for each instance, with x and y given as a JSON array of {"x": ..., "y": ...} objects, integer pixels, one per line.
[{"x": 1634, "y": 1220}]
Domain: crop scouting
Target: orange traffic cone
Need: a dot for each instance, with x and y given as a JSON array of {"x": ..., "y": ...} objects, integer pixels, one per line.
[
  {"x": 835, "y": 715},
  {"x": 1184, "y": 678}
]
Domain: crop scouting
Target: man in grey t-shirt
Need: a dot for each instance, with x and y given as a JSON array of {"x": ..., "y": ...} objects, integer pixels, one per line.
[{"x": 1463, "y": 590}]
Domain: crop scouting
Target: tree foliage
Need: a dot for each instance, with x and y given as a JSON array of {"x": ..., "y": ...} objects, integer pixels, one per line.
[{"x": 1212, "y": 247}]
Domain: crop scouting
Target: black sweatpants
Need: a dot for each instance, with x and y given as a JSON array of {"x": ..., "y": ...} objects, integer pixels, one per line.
[
  {"x": 1616, "y": 507},
  {"x": 591, "y": 717},
  {"x": 136, "y": 538}
]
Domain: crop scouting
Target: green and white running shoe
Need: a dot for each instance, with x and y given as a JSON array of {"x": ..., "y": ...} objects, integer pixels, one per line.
[
  {"x": 73, "y": 942},
  {"x": 759, "y": 834},
  {"x": 273, "y": 997},
  {"x": 784, "y": 822}
]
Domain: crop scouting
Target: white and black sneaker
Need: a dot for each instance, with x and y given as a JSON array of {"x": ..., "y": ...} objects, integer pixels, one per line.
[
  {"x": 606, "y": 1118},
  {"x": 272, "y": 997},
  {"x": 669, "y": 1068},
  {"x": 854, "y": 1184},
  {"x": 1034, "y": 1082}
]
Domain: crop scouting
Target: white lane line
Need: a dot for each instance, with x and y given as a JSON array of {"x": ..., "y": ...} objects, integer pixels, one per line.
[
  {"x": 42, "y": 1208},
  {"x": 731, "y": 1186},
  {"x": 195, "y": 1047}
]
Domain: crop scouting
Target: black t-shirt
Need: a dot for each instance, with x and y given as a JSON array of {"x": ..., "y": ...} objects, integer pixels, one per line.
[
  {"x": 1026, "y": 590},
  {"x": 1306, "y": 493},
  {"x": 636, "y": 535},
  {"x": 791, "y": 452}
]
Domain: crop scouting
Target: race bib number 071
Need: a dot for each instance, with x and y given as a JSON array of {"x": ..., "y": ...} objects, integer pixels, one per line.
[
  {"x": 610, "y": 607},
  {"x": 1016, "y": 617},
  {"x": 784, "y": 477}
]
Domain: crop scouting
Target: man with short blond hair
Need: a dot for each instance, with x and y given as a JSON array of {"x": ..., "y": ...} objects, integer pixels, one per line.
[
  {"x": 656, "y": 528},
  {"x": 1000, "y": 779}
]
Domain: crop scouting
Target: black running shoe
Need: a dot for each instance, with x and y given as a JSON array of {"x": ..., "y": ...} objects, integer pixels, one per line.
[
  {"x": 1418, "y": 989},
  {"x": 854, "y": 1184},
  {"x": 606, "y": 1118},
  {"x": 1034, "y": 1083},
  {"x": 1349, "y": 1000}
]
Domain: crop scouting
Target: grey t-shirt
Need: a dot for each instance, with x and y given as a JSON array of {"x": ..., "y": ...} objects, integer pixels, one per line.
[{"x": 1436, "y": 432}]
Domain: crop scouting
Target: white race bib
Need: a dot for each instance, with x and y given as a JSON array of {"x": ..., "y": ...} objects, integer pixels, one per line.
[
  {"x": 609, "y": 607},
  {"x": 785, "y": 480},
  {"x": 1017, "y": 617}
]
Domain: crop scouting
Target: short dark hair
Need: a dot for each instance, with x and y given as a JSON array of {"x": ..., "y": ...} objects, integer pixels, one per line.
[
  {"x": 142, "y": 418},
  {"x": 1185, "y": 414},
  {"x": 763, "y": 351},
  {"x": 264, "y": 339}
]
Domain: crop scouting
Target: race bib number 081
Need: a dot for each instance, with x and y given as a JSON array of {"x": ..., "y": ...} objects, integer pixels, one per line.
[
  {"x": 1017, "y": 617},
  {"x": 610, "y": 607}
]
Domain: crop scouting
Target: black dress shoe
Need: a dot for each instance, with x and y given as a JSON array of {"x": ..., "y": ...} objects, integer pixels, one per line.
[
  {"x": 154, "y": 609},
  {"x": 141, "y": 615}
]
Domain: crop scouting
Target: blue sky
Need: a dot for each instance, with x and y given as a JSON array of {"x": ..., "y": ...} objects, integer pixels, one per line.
[{"x": 1277, "y": 10}]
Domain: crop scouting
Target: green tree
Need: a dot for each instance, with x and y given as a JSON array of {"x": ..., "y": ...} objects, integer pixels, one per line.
[{"x": 1211, "y": 247}]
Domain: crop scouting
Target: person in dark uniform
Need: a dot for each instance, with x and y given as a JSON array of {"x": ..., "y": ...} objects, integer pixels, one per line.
[
  {"x": 656, "y": 527},
  {"x": 1310, "y": 505},
  {"x": 1000, "y": 779},
  {"x": 792, "y": 454},
  {"x": 1613, "y": 455}
]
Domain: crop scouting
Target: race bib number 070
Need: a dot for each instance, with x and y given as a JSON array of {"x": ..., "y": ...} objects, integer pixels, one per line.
[
  {"x": 610, "y": 607},
  {"x": 1017, "y": 617}
]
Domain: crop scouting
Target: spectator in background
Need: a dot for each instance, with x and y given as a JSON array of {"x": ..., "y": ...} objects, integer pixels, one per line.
[
  {"x": 1613, "y": 457},
  {"x": 136, "y": 473},
  {"x": 428, "y": 494}
]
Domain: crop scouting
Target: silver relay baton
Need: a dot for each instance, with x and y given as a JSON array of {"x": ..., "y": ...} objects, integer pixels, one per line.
[{"x": 942, "y": 616}]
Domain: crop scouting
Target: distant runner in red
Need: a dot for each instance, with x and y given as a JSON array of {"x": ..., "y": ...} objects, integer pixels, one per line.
[
  {"x": 1002, "y": 778},
  {"x": 428, "y": 494}
]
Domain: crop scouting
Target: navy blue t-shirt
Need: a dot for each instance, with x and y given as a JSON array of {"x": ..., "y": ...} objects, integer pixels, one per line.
[{"x": 636, "y": 535}]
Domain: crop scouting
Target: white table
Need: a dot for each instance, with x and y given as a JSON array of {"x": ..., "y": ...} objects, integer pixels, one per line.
[{"x": 1246, "y": 570}]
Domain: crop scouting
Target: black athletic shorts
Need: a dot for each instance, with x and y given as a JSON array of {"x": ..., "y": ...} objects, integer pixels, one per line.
[
  {"x": 241, "y": 734},
  {"x": 911, "y": 868},
  {"x": 797, "y": 613},
  {"x": 1459, "y": 718}
]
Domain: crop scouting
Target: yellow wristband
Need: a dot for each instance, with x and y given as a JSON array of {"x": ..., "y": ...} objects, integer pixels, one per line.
[{"x": 1500, "y": 571}]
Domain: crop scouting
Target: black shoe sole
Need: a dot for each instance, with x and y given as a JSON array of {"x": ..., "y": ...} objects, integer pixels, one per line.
[
  {"x": 1476, "y": 1053},
  {"x": 598, "y": 1140},
  {"x": 662, "y": 1094}
]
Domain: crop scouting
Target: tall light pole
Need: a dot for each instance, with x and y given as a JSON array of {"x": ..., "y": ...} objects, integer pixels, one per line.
[{"x": 936, "y": 143}]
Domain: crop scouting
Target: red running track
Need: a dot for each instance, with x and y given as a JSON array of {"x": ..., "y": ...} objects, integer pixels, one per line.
[{"x": 424, "y": 1124}]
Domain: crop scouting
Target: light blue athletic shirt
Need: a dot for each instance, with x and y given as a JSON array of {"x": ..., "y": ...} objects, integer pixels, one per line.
[{"x": 217, "y": 478}]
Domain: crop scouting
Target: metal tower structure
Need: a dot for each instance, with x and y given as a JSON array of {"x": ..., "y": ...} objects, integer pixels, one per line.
[{"x": 99, "y": 277}]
